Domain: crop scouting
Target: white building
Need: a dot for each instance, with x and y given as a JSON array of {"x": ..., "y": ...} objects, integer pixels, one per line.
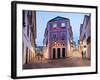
[
  {"x": 85, "y": 35},
  {"x": 28, "y": 36}
]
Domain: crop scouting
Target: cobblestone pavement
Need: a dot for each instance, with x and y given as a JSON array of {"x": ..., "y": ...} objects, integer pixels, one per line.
[
  {"x": 74, "y": 61},
  {"x": 57, "y": 63}
]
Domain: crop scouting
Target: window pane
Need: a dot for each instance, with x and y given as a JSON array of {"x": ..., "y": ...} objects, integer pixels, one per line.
[
  {"x": 54, "y": 25},
  {"x": 63, "y": 25}
]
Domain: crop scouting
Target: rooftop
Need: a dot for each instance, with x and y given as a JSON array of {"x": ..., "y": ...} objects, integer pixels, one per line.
[{"x": 58, "y": 18}]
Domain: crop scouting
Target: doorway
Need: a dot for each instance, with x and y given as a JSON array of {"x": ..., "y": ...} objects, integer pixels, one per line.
[
  {"x": 54, "y": 53},
  {"x": 63, "y": 52},
  {"x": 58, "y": 52}
]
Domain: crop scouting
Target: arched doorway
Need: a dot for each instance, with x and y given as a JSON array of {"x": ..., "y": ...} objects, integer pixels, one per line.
[
  {"x": 54, "y": 53},
  {"x": 58, "y": 52},
  {"x": 63, "y": 52}
]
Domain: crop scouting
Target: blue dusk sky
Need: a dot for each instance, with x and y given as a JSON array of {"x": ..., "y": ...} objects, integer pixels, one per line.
[{"x": 42, "y": 17}]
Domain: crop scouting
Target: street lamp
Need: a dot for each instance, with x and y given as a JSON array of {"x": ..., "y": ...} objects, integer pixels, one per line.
[
  {"x": 71, "y": 43},
  {"x": 80, "y": 42},
  {"x": 84, "y": 43},
  {"x": 71, "y": 40},
  {"x": 55, "y": 42}
]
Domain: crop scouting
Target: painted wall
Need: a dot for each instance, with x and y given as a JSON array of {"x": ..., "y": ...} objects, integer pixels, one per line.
[
  {"x": 28, "y": 38},
  {"x": 58, "y": 37},
  {"x": 85, "y": 34}
]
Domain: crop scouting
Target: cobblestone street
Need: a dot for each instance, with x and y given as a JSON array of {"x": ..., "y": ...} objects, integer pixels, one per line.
[
  {"x": 68, "y": 62},
  {"x": 74, "y": 61}
]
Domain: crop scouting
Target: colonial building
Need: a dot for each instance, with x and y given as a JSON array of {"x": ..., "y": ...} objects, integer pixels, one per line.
[
  {"x": 85, "y": 35},
  {"x": 28, "y": 36},
  {"x": 58, "y": 37}
]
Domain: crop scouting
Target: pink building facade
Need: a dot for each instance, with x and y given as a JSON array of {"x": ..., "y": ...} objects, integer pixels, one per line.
[{"x": 57, "y": 38}]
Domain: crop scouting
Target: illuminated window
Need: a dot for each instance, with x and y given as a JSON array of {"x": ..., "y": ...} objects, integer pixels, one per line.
[
  {"x": 54, "y": 25},
  {"x": 62, "y": 24}
]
